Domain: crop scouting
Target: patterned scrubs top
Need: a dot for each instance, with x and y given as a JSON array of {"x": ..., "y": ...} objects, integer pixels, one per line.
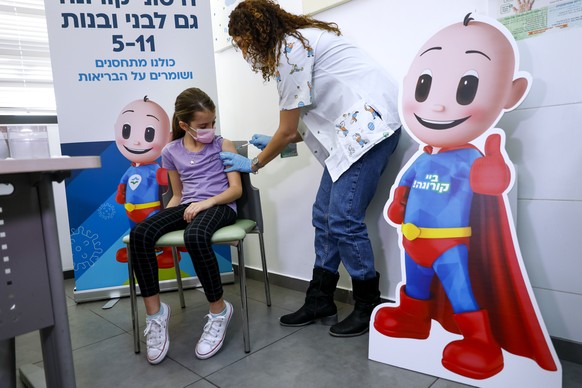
[{"x": 348, "y": 102}]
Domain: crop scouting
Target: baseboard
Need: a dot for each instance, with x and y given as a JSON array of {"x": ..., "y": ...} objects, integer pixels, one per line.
[
  {"x": 568, "y": 350},
  {"x": 341, "y": 295}
]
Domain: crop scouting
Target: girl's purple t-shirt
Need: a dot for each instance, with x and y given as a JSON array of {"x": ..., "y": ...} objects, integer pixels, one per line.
[{"x": 202, "y": 173}]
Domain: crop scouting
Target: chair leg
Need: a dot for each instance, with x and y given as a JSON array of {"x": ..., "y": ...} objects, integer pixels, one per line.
[
  {"x": 133, "y": 302},
  {"x": 178, "y": 276},
  {"x": 265, "y": 272},
  {"x": 243, "y": 297}
]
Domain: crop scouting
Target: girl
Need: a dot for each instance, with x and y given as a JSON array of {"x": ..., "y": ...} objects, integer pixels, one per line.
[{"x": 203, "y": 201}]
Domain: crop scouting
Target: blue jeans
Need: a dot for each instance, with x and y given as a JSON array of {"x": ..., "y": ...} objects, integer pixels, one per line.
[{"x": 339, "y": 210}]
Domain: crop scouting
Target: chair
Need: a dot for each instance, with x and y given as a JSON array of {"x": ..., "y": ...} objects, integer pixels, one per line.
[{"x": 250, "y": 220}]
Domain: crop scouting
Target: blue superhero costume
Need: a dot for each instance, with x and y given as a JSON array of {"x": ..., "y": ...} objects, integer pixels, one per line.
[
  {"x": 142, "y": 198},
  {"x": 442, "y": 181},
  {"x": 139, "y": 192}
]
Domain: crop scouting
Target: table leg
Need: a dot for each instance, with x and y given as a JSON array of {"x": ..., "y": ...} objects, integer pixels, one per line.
[
  {"x": 56, "y": 340},
  {"x": 7, "y": 363}
]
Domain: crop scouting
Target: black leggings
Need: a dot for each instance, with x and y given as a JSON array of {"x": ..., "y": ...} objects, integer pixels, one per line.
[{"x": 197, "y": 236}]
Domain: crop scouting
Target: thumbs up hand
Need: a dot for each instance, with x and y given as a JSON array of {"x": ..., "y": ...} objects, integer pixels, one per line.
[{"x": 489, "y": 174}]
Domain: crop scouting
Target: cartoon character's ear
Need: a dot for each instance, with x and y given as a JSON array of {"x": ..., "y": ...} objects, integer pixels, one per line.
[{"x": 518, "y": 89}]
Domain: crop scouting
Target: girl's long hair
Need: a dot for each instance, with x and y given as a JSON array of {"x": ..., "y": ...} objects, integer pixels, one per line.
[
  {"x": 188, "y": 103},
  {"x": 263, "y": 25}
]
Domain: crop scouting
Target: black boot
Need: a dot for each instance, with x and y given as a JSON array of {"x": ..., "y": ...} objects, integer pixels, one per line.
[
  {"x": 318, "y": 301},
  {"x": 366, "y": 296}
]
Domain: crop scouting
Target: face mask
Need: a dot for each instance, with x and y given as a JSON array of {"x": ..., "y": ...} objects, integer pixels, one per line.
[{"x": 203, "y": 135}]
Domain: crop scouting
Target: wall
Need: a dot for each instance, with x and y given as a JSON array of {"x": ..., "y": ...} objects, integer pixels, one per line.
[
  {"x": 549, "y": 201},
  {"x": 543, "y": 138}
]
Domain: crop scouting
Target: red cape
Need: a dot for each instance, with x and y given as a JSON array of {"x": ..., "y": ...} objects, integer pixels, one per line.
[{"x": 498, "y": 284}]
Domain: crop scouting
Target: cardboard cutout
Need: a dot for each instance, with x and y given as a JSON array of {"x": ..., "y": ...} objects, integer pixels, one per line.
[
  {"x": 461, "y": 260},
  {"x": 142, "y": 130}
]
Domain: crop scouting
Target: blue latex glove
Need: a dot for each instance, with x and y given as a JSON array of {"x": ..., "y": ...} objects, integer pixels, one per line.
[
  {"x": 236, "y": 162},
  {"x": 260, "y": 141}
]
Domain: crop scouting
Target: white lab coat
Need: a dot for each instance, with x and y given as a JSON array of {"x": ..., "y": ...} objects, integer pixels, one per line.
[{"x": 348, "y": 102}]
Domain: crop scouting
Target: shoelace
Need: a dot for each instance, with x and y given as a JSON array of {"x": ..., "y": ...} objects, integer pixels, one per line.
[
  {"x": 153, "y": 332},
  {"x": 210, "y": 331}
]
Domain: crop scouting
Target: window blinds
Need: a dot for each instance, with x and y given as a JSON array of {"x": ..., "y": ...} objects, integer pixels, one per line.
[{"x": 26, "y": 85}]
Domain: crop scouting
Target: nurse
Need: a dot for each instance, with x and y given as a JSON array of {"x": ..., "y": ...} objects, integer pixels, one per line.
[{"x": 348, "y": 104}]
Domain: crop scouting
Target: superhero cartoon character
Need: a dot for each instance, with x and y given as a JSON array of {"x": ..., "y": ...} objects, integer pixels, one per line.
[
  {"x": 142, "y": 129},
  {"x": 460, "y": 261}
]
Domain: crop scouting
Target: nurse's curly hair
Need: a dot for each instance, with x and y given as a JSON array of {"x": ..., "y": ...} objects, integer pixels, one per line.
[{"x": 263, "y": 25}]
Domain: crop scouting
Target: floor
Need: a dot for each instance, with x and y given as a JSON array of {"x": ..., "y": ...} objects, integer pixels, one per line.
[{"x": 280, "y": 356}]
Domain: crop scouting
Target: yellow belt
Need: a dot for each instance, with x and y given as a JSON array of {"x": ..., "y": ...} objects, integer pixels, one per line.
[
  {"x": 131, "y": 207},
  {"x": 412, "y": 232}
]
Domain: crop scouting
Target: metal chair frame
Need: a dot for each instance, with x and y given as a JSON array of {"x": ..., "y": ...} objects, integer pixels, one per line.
[{"x": 249, "y": 220}]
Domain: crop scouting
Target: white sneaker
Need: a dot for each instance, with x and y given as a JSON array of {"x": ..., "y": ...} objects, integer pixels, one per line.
[
  {"x": 157, "y": 338},
  {"x": 212, "y": 338}
]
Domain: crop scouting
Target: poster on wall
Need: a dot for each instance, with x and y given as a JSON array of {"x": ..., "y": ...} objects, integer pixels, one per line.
[
  {"x": 221, "y": 10},
  {"x": 465, "y": 308},
  {"x": 120, "y": 64},
  {"x": 529, "y": 18},
  {"x": 311, "y": 7}
]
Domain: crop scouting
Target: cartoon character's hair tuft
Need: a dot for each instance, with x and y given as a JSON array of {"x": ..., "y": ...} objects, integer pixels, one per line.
[{"x": 467, "y": 19}]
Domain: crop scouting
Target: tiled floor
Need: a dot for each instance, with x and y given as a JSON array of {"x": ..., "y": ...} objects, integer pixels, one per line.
[{"x": 280, "y": 356}]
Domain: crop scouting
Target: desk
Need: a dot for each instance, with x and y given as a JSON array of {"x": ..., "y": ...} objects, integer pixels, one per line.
[{"x": 32, "y": 294}]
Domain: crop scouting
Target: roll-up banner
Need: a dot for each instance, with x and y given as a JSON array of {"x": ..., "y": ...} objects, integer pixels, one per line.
[{"x": 110, "y": 57}]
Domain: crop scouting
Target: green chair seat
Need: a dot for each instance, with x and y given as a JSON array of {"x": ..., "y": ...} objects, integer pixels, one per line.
[
  {"x": 227, "y": 234},
  {"x": 246, "y": 224}
]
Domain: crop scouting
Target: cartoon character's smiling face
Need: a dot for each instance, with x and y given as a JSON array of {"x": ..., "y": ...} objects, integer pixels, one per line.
[
  {"x": 459, "y": 83},
  {"x": 142, "y": 129}
]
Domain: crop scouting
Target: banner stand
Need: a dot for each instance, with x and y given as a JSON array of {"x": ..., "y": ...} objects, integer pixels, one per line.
[{"x": 123, "y": 291}]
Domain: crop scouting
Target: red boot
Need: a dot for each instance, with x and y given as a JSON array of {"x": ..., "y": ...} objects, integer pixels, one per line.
[
  {"x": 477, "y": 355},
  {"x": 121, "y": 255},
  {"x": 409, "y": 320},
  {"x": 166, "y": 259}
]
